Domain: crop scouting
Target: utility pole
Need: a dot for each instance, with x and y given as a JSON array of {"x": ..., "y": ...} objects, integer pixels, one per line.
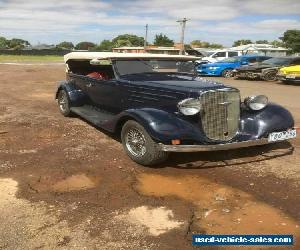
[
  {"x": 146, "y": 37},
  {"x": 182, "y": 23}
]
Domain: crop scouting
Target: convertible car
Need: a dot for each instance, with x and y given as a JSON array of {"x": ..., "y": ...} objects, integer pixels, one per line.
[{"x": 158, "y": 104}]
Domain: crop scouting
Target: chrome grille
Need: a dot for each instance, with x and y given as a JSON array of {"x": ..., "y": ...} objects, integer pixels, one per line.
[{"x": 220, "y": 113}]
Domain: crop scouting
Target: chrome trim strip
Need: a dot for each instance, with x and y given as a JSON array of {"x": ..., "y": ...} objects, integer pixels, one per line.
[{"x": 214, "y": 147}]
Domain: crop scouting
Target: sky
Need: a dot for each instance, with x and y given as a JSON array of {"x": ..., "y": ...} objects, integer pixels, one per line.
[{"x": 219, "y": 21}]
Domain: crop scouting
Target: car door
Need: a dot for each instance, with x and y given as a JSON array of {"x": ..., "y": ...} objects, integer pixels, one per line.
[{"x": 105, "y": 94}]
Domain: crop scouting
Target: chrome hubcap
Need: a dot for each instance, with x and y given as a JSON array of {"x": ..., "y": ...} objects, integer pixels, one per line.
[
  {"x": 135, "y": 142},
  {"x": 62, "y": 102}
]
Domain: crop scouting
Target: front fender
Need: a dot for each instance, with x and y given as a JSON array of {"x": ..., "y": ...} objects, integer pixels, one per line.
[
  {"x": 161, "y": 125},
  {"x": 76, "y": 96},
  {"x": 254, "y": 125}
]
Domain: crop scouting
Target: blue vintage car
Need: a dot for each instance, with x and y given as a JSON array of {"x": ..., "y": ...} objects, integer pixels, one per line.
[
  {"x": 158, "y": 104},
  {"x": 224, "y": 68}
]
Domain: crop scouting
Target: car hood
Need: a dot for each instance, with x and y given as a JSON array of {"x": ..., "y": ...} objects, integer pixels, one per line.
[{"x": 197, "y": 84}]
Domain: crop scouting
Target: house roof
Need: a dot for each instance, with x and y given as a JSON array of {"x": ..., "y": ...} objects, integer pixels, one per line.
[
  {"x": 262, "y": 47},
  {"x": 114, "y": 55}
]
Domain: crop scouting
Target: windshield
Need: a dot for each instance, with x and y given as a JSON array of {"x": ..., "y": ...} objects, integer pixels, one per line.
[
  {"x": 231, "y": 59},
  {"x": 278, "y": 61},
  {"x": 140, "y": 66}
]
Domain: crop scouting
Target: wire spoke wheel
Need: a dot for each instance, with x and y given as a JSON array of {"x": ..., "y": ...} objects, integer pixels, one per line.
[
  {"x": 135, "y": 142},
  {"x": 63, "y": 102}
]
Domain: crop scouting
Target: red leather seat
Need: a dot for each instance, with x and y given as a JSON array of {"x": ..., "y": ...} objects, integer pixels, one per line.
[{"x": 98, "y": 75}]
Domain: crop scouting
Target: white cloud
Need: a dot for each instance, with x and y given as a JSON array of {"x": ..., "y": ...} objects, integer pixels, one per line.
[{"x": 219, "y": 20}]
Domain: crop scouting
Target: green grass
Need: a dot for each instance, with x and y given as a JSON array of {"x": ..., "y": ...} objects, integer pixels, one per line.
[{"x": 22, "y": 58}]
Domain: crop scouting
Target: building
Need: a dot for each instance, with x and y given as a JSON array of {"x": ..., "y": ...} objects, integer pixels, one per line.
[
  {"x": 262, "y": 49},
  {"x": 127, "y": 49}
]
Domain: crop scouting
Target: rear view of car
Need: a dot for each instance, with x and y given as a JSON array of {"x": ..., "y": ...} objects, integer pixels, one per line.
[{"x": 289, "y": 74}]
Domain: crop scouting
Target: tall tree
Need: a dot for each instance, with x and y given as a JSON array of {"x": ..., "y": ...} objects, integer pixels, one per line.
[
  {"x": 291, "y": 39},
  {"x": 127, "y": 40},
  {"x": 241, "y": 42},
  {"x": 3, "y": 42},
  {"x": 85, "y": 45},
  {"x": 163, "y": 40},
  {"x": 65, "y": 45}
]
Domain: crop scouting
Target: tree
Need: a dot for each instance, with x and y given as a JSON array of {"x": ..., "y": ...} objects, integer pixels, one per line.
[
  {"x": 17, "y": 43},
  {"x": 105, "y": 45},
  {"x": 241, "y": 42},
  {"x": 3, "y": 42},
  {"x": 203, "y": 44},
  {"x": 277, "y": 43},
  {"x": 216, "y": 46},
  {"x": 163, "y": 40},
  {"x": 291, "y": 39},
  {"x": 127, "y": 40},
  {"x": 65, "y": 45},
  {"x": 262, "y": 42},
  {"x": 85, "y": 45}
]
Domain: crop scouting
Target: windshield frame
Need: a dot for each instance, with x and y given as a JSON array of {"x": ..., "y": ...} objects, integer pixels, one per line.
[{"x": 119, "y": 75}]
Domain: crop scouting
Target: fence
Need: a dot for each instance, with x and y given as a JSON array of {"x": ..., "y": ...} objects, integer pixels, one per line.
[{"x": 35, "y": 52}]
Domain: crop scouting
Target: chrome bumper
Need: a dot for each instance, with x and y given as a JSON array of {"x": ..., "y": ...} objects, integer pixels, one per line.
[{"x": 215, "y": 147}]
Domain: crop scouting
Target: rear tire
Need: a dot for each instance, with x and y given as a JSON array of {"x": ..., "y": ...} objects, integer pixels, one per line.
[
  {"x": 139, "y": 145},
  {"x": 270, "y": 76},
  {"x": 64, "y": 103},
  {"x": 227, "y": 73}
]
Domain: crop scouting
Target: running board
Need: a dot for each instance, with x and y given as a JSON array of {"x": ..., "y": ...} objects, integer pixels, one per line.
[{"x": 93, "y": 115}]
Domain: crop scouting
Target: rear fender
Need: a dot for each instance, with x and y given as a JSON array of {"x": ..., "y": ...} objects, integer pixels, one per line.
[{"x": 76, "y": 96}]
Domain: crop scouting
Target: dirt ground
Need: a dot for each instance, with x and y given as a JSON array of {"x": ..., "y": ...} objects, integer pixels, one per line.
[{"x": 65, "y": 184}]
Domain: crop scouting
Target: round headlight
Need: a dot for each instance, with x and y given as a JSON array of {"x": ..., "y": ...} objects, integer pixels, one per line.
[
  {"x": 189, "y": 106},
  {"x": 256, "y": 102}
]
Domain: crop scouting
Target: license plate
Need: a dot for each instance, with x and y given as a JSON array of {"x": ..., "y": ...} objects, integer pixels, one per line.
[
  {"x": 291, "y": 76},
  {"x": 284, "y": 135}
]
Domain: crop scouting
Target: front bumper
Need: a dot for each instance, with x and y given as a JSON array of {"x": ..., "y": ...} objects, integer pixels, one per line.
[
  {"x": 214, "y": 147},
  {"x": 285, "y": 78}
]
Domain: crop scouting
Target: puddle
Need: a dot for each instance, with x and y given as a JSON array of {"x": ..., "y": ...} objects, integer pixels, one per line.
[
  {"x": 220, "y": 209},
  {"x": 73, "y": 183},
  {"x": 156, "y": 220}
]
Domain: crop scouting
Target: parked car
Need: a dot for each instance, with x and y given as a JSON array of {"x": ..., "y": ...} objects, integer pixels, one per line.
[
  {"x": 224, "y": 68},
  {"x": 157, "y": 104},
  {"x": 219, "y": 55},
  {"x": 289, "y": 74},
  {"x": 267, "y": 70}
]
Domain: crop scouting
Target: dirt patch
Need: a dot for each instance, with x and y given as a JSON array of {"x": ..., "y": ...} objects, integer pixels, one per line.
[
  {"x": 220, "y": 209},
  {"x": 73, "y": 183},
  {"x": 156, "y": 220}
]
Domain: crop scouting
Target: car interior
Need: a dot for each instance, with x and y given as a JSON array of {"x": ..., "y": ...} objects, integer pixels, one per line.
[{"x": 85, "y": 68}]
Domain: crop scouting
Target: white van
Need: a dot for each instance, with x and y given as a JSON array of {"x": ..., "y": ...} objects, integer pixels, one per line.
[{"x": 214, "y": 56}]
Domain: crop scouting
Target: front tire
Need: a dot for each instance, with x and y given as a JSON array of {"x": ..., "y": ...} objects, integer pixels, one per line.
[
  {"x": 270, "y": 76},
  {"x": 64, "y": 103},
  {"x": 139, "y": 145}
]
